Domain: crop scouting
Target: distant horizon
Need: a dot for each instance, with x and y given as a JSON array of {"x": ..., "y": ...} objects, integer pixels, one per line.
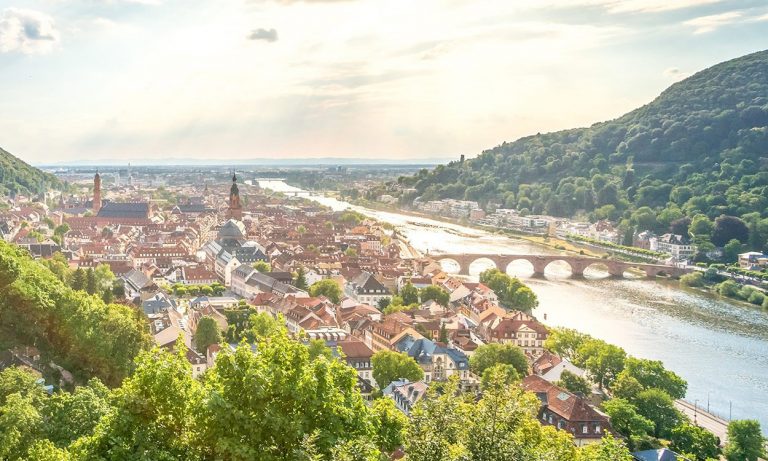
[
  {"x": 287, "y": 162},
  {"x": 92, "y": 81}
]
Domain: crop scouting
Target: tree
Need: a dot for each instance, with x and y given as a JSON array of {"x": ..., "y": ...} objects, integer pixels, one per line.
[
  {"x": 69, "y": 416},
  {"x": 390, "y": 366},
  {"x": 390, "y": 425},
  {"x": 90, "y": 281},
  {"x": 438, "y": 429},
  {"x": 492, "y": 354},
  {"x": 20, "y": 423},
  {"x": 153, "y": 412},
  {"x": 609, "y": 449},
  {"x": 657, "y": 406},
  {"x": 574, "y": 383},
  {"x": 78, "y": 279},
  {"x": 328, "y": 288},
  {"x": 745, "y": 441},
  {"x": 625, "y": 419},
  {"x": 728, "y": 228},
  {"x": 263, "y": 325},
  {"x": 694, "y": 440},
  {"x": 565, "y": 342},
  {"x": 501, "y": 374},
  {"x": 317, "y": 349},
  {"x": 300, "y": 281},
  {"x": 207, "y": 333},
  {"x": 652, "y": 374},
  {"x": 701, "y": 226},
  {"x": 443, "y": 338},
  {"x": 524, "y": 298},
  {"x": 731, "y": 251},
  {"x": 262, "y": 266},
  {"x": 602, "y": 361},
  {"x": 626, "y": 387},
  {"x": 290, "y": 398},
  {"x": 409, "y": 294},
  {"x": 435, "y": 293}
]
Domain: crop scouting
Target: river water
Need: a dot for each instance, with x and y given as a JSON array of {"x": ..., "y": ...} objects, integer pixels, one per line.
[{"x": 718, "y": 346}]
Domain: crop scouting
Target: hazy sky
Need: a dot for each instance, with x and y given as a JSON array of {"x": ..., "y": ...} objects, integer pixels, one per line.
[{"x": 133, "y": 79}]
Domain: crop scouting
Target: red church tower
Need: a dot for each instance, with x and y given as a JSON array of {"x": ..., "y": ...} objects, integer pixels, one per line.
[
  {"x": 235, "y": 207},
  {"x": 96, "y": 193}
]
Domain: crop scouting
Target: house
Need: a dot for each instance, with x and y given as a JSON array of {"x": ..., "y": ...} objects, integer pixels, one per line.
[
  {"x": 157, "y": 304},
  {"x": 138, "y": 285},
  {"x": 437, "y": 361},
  {"x": 567, "y": 411},
  {"x": 358, "y": 356},
  {"x": 753, "y": 260},
  {"x": 521, "y": 330},
  {"x": 367, "y": 289},
  {"x": 406, "y": 394},
  {"x": 680, "y": 247}
]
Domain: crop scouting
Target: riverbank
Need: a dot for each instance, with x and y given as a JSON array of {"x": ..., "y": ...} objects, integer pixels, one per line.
[{"x": 551, "y": 242}]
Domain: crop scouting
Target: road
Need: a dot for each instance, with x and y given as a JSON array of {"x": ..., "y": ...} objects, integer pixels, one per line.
[{"x": 710, "y": 422}]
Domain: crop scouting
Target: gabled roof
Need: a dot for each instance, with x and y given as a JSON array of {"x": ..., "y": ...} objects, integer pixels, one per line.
[{"x": 134, "y": 210}]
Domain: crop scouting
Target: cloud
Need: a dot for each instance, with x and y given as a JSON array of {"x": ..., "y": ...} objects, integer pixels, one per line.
[
  {"x": 27, "y": 31},
  {"x": 704, "y": 24},
  {"x": 268, "y": 35},
  {"x": 675, "y": 74},
  {"x": 652, "y": 6}
]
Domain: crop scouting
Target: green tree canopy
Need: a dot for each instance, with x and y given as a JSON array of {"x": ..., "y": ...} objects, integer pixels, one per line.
[{"x": 389, "y": 366}]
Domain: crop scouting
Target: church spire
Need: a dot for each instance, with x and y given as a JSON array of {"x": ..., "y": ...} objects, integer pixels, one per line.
[{"x": 235, "y": 207}]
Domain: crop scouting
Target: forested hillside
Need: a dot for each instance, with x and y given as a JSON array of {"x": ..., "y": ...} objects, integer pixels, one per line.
[
  {"x": 701, "y": 147},
  {"x": 76, "y": 330},
  {"x": 19, "y": 177}
]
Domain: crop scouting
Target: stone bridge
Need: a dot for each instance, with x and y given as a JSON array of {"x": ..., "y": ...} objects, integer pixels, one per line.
[{"x": 577, "y": 263}]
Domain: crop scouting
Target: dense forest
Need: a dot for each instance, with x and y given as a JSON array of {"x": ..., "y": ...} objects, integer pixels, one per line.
[
  {"x": 700, "y": 148},
  {"x": 17, "y": 177}
]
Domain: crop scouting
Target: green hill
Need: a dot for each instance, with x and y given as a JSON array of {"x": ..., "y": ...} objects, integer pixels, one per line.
[
  {"x": 18, "y": 177},
  {"x": 701, "y": 147}
]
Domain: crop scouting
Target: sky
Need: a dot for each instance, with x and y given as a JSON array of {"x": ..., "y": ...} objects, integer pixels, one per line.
[{"x": 378, "y": 79}]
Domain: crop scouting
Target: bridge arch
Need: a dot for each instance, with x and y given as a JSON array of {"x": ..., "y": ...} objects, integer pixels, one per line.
[
  {"x": 591, "y": 266},
  {"x": 556, "y": 262},
  {"x": 478, "y": 265},
  {"x": 451, "y": 265},
  {"x": 520, "y": 267}
]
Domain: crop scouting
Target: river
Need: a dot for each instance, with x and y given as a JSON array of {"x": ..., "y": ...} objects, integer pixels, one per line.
[{"x": 720, "y": 347}]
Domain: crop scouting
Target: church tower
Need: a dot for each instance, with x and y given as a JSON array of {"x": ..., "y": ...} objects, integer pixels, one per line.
[
  {"x": 96, "y": 193},
  {"x": 235, "y": 207}
]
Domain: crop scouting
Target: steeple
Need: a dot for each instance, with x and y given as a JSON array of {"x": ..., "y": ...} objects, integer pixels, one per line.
[
  {"x": 96, "y": 193},
  {"x": 235, "y": 207}
]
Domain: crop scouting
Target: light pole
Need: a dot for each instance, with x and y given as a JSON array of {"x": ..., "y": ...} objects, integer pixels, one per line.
[{"x": 695, "y": 410}]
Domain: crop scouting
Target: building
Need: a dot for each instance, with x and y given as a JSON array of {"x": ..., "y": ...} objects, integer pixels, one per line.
[
  {"x": 368, "y": 290},
  {"x": 681, "y": 248},
  {"x": 567, "y": 411},
  {"x": 235, "y": 207},
  {"x": 406, "y": 394},
  {"x": 358, "y": 356},
  {"x": 438, "y": 362},
  {"x": 96, "y": 205},
  {"x": 753, "y": 260}
]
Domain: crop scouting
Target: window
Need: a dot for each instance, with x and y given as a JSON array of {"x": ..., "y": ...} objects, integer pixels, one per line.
[{"x": 584, "y": 429}]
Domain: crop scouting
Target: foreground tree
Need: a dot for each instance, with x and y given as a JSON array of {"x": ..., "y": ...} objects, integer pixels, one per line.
[
  {"x": 289, "y": 397},
  {"x": 696, "y": 441},
  {"x": 574, "y": 383},
  {"x": 152, "y": 413},
  {"x": 745, "y": 441}
]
